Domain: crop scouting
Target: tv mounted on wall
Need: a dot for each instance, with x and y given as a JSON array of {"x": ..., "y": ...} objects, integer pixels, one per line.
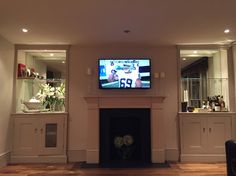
[{"x": 124, "y": 73}]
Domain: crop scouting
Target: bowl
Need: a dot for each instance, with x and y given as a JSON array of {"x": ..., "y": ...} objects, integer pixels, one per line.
[
  {"x": 190, "y": 109},
  {"x": 33, "y": 105}
]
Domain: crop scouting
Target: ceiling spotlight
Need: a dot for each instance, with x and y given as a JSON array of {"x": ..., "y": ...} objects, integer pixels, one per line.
[
  {"x": 126, "y": 31},
  {"x": 24, "y": 30},
  {"x": 184, "y": 58},
  {"x": 226, "y": 31},
  {"x": 195, "y": 52},
  {"x": 51, "y": 54},
  {"x": 63, "y": 62}
]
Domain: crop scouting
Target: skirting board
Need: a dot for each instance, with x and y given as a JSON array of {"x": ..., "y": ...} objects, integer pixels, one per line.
[
  {"x": 4, "y": 159},
  {"x": 76, "y": 155},
  {"x": 158, "y": 156},
  {"x": 92, "y": 156},
  {"x": 172, "y": 154},
  {"x": 203, "y": 158},
  {"x": 39, "y": 159}
]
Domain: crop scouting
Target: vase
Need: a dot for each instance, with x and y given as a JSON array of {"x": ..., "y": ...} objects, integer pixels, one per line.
[
  {"x": 52, "y": 106},
  {"x": 61, "y": 108}
]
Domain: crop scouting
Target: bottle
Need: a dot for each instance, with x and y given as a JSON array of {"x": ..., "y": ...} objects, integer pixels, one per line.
[
  {"x": 204, "y": 105},
  {"x": 217, "y": 103},
  {"x": 222, "y": 103},
  {"x": 213, "y": 106}
]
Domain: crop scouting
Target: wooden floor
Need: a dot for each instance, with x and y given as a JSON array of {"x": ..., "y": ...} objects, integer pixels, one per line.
[{"x": 175, "y": 169}]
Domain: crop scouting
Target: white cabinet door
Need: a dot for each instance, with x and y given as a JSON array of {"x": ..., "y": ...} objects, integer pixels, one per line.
[
  {"x": 219, "y": 130},
  {"x": 25, "y": 136},
  {"x": 194, "y": 138},
  {"x": 51, "y": 135}
]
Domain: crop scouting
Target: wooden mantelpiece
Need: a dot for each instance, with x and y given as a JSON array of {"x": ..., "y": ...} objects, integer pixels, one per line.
[
  {"x": 124, "y": 101},
  {"x": 155, "y": 103}
]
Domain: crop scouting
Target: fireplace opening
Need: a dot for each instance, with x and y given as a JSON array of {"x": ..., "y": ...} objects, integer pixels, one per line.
[{"x": 125, "y": 137}]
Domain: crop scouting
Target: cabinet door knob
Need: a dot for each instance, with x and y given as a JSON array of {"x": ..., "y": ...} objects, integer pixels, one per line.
[
  {"x": 41, "y": 130},
  {"x": 204, "y": 130},
  {"x": 209, "y": 130},
  {"x": 35, "y": 130}
]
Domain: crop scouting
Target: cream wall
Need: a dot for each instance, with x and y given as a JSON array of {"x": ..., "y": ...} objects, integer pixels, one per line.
[
  {"x": 163, "y": 59},
  {"x": 6, "y": 93}
]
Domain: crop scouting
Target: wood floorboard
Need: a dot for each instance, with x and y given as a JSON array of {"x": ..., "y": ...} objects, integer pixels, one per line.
[{"x": 175, "y": 169}]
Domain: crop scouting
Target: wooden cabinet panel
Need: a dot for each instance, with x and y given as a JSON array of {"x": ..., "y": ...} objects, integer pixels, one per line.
[
  {"x": 193, "y": 130},
  {"x": 25, "y": 136},
  {"x": 203, "y": 136},
  {"x": 51, "y": 138},
  {"x": 219, "y": 130},
  {"x": 38, "y": 135}
]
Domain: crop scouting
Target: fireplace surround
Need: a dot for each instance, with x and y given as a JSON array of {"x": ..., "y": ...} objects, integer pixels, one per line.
[{"x": 154, "y": 103}]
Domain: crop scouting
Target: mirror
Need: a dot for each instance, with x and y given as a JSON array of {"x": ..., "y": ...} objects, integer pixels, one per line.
[
  {"x": 204, "y": 76},
  {"x": 36, "y": 71}
]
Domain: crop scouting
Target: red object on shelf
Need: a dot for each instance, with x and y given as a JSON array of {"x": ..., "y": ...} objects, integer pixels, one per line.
[{"x": 21, "y": 70}]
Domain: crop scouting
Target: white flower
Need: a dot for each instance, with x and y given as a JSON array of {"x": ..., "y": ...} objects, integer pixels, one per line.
[
  {"x": 118, "y": 142},
  {"x": 48, "y": 94}
]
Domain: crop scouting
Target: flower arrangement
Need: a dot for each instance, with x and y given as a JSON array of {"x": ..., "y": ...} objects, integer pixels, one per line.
[
  {"x": 124, "y": 146},
  {"x": 52, "y": 96}
]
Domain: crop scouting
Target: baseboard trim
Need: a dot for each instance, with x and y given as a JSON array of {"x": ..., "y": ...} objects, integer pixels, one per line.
[
  {"x": 202, "y": 158},
  {"x": 172, "y": 154},
  {"x": 158, "y": 156},
  {"x": 39, "y": 159},
  {"x": 76, "y": 155},
  {"x": 4, "y": 158},
  {"x": 92, "y": 156}
]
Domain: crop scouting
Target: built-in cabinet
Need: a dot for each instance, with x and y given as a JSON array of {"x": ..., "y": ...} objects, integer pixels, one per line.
[
  {"x": 39, "y": 137},
  {"x": 203, "y": 136}
]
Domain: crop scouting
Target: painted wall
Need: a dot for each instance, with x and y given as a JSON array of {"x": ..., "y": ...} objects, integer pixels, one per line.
[
  {"x": 163, "y": 59},
  {"x": 6, "y": 93}
]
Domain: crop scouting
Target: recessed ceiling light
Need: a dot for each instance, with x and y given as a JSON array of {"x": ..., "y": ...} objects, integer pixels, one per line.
[
  {"x": 24, "y": 30},
  {"x": 195, "y": 52},
  {"x": 51, "y": 54},
  {"x": 226, "y": 31},
  {"x": 63, "y": 62},
  {"x": 184, "y": 58},
  {"x": 126, "y": 31}
]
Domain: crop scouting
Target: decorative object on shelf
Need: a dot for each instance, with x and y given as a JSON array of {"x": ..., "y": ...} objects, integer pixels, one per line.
[
  {"x": 21, "y": 70},
  {"x": 26, "y": 73},
  {"x": 33, "y": 104},
  {"x": 190, "y": 109},
  {"x": 125, "y": 146},
  {"x": 217, "y": 103},
  {"x": 53, "y": 97}
]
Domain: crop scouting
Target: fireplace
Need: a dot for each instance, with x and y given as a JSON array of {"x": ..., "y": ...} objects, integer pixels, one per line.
[
  {"x": 124, "y": 137},
  {"x": 157, "y": 131}
]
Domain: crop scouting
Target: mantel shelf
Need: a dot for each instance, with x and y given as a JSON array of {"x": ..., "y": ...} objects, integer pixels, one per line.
[
  {"x": 123, "y": 101},
  {"x": 153, "y": 98}
]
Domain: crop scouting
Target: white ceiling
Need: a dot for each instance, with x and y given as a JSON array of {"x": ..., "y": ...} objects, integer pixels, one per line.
[{"x": 93, "y": 22}]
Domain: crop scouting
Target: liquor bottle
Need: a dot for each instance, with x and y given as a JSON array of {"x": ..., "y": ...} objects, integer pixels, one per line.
[{"x": 222, "y": 103}]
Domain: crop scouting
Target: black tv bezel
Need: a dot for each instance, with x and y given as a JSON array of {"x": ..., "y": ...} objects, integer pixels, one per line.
[{"x": 125, "y": 58}]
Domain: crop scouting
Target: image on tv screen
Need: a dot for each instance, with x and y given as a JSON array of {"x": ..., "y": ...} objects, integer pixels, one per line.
[{"x": 124, "y": 73}]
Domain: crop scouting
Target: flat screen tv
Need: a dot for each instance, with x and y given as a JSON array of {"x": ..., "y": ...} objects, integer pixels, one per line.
[{"x": 125, "y": 73}]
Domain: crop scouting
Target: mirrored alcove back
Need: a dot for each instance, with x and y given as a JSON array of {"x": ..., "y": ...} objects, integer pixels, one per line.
[
  {"x": 203, "y": 75},
  {"x": 36, "y": 70}
]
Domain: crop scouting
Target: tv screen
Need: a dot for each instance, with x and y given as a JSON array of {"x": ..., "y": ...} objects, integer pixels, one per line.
[{"x": 130, "y": 73}]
